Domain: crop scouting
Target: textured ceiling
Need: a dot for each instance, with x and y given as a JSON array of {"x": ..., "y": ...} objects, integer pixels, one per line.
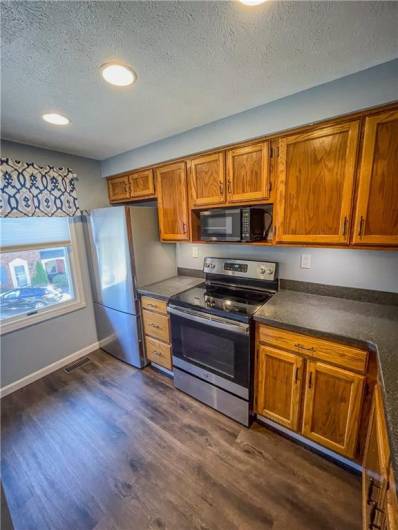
[{"x": 196, "y": 62}]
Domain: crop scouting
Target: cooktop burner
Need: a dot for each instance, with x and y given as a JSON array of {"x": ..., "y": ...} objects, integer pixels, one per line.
[{"x": 222, "y": 299}]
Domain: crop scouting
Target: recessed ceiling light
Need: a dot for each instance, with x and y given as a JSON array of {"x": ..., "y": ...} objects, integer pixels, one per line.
[
  {"x": 55, "y": 119},
  {"x": 118, "y": 74},
  {"x": 252, "y": 2}
]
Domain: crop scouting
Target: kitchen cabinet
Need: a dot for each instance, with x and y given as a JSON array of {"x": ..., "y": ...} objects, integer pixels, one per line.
[
  {"x": 332, "y": 407},
  {"x": 376, "y": 214},
  {"x": 248, "y": 173},
  {"x": 142, "y": 184},
  {"x": 315, "y": 185},
  {"x": 310, "y": 385},
  {"x": 171, "y": 185},
  {"x": 207, "y": 180},
  {"x": 119, "y": 189},
  {"x": 156, "y": 331},
  {"x": 379, "y": 501},
  {"x": 279, "y": 385}
]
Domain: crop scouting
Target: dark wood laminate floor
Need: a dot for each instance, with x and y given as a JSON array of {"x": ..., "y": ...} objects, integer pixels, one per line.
[{"x": 108, "y": 447}]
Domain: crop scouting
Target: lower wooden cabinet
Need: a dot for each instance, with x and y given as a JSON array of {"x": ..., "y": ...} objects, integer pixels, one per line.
[
  {"x": 332, "y": 407},
  {"x": 279, "y": 386},
  {"x": 156, "y": 331},
  {"x": 307, "y": 395},
  {"x": 379, "y": 500}
]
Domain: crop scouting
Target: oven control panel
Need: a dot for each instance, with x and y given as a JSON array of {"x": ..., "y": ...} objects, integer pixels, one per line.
[{"x": 256, "y": 270}]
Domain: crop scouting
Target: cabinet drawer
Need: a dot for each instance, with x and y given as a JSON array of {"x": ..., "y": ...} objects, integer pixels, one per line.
[
  {"x": 153, "y": 304},
  {"x": 158, "y": 352},
  {"x": 325, "y": 350},
  {"x": 156, "y": 325}
]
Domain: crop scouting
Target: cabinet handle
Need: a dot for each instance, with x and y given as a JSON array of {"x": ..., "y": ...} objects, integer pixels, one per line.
[
  {"x": 221, "y": 187},
  {"x": 372, "y": 515},
  {"x": 304, "y": 348},
  {"x": 152, "y": 305},
  {"x": 310, "y": 380},
  {"x": 296, "y": 375},
  {"x": 345, "y": 226},
  {"x": 156, "y": 326},
  {"x": 229, "y": 186},
  {"x": 184, "y": 227},
  {"x": 157, "y": 353},
  {"x": 361, "y": 226}
]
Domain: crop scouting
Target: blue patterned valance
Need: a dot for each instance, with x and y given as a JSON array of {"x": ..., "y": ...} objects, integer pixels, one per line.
[{"x": 29, "y": 190}]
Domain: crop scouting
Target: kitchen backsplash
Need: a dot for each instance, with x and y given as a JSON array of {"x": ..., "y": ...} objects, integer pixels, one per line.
[{"x": 348, "y": 268}]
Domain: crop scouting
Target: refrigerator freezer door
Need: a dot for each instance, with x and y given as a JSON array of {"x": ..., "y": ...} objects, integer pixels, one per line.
[
  {"x": 119, "y": 334},
  {"x": 110, "y": 259}
]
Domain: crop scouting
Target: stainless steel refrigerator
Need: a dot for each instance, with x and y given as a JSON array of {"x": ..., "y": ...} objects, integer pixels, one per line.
[{"x": 124, "y": 253}]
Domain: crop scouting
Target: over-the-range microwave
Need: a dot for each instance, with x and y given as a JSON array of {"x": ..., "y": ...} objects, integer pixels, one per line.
[{"x": 234, "y": 224}]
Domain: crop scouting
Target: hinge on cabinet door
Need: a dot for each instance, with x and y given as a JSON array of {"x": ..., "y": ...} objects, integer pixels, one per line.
[{"x": 269, "y": 188}]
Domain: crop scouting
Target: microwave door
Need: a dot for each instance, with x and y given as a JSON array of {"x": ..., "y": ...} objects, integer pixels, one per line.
[{"x": 222, "y": 225}]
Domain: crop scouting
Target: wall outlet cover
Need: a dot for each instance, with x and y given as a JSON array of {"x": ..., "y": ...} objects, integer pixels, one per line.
[
  {"x": 306, "y": 261},
  {"x": 195, "y": 252}
]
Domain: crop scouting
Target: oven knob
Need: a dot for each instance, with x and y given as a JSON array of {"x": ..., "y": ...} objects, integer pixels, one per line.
[
  {"x": 212, "y": 266},
  {"x": 263, "y": 270}
]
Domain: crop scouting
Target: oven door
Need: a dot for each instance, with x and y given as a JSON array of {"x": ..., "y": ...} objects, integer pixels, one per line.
[
  {"x": 212, "y": 348},
  {"x": 221, "y": 225}
]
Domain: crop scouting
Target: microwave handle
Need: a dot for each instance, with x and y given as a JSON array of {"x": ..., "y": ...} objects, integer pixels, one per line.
[{"x": 228, "y": 325}]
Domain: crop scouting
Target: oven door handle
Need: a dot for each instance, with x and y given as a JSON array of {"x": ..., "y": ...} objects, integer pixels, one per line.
[{"x": 215, "y": 322}]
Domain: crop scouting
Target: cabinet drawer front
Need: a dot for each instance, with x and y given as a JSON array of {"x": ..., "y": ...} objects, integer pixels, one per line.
[
  {"x": 156, "y": 325},
  {"x": 158, "y": 352},
  {"x": 153, "y": 304},
  {"x": 325, "y": 350}
]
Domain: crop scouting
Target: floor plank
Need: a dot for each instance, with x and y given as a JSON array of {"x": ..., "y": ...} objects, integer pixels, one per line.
[{"x": 108, "y": 447}]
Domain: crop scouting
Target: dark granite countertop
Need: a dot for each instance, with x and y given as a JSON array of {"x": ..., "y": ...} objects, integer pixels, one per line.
[
  {"x": 372, "y": 325},
  {"x": 167, "y": 288}
]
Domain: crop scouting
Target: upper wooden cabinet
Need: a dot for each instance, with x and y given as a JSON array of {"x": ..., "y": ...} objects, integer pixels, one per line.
[
  {"x": 279, "y": 376},
  {"x": 207, "y": 180},
  {"x": 142, "y": 184},
  {"x": 248, "y": 176},
  {"x": 171, "y": 185},
  {"x": 315, "y": 185},
  {"x": 376, "y": 215},
  {"x": 119, "y": 189},
  {"x": 332, "y": 407}
]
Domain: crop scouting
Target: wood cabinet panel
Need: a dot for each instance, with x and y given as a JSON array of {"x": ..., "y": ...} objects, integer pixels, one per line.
[
  {"x": 171, "y": 184},
  {"x": 332, "y": 407},
  {"x": 376, "y": 217},
  {"x": 248, "y": 171},
  {"x": 142, "y": 184},
  {"x": 315, "y": 185},
  {"x": 156, "y": 325},
  {"x": 279, "y": 385},
  {"x": 119, "y": 189},
  {"x": 207, "y": 180},
  {"x": 158, "y": 352},
  {"x": 153, "y": 304},
  {"x": 348, "y": 357}
]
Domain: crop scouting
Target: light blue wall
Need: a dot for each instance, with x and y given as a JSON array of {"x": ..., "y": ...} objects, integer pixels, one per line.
[
  {"x": 32, "y": 348},
  {"x": 368, "y": 88}
]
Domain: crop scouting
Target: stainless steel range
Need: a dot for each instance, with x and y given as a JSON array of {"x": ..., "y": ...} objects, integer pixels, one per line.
[{"x": 213, "y": 333}]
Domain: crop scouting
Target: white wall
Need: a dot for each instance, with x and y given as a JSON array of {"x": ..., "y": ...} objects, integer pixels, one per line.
[
  {"x": 370, "y": 87},
  {"x": 364, "y": 269},
  {"x": 32, "y": 348}
]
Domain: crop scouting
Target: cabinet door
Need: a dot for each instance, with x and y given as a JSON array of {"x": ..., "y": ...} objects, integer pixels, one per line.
[
  {"x": 315, "y": 185},
  {"x": 332, "y": 407},
  {"x": 279, "y": 376},
  {"x": 141, "y": 184},
  {"x": 171, "y": 183},
  {"x": 207, "y": 180},
  {"x": 248, "y": 173},
  {"x": 119, "y": 189},
  {"x": 376, "y": 217}
]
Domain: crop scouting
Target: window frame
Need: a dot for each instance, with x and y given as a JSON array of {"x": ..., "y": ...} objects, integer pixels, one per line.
[{"x": 78, "y": 302}]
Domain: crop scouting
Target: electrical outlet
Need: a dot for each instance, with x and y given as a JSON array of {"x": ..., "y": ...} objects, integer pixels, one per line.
[
  {"x": 306, "y": 261},
  {"x": 195, "y": 252}
]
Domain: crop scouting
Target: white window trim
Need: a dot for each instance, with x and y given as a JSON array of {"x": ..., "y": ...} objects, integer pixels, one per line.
[{"x": 78, "y": 302}]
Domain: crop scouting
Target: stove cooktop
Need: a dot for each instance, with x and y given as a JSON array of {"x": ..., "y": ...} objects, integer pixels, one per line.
[{"x": 222, "y": 300}]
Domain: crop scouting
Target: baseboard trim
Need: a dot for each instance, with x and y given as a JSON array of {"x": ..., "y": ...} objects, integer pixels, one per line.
[
  {"x": 346, "y": 462},
  {"x": 16, "y": 385}
]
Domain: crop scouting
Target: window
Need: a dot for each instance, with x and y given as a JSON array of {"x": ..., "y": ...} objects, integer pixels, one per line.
[{"x": 39, "y": 270}]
